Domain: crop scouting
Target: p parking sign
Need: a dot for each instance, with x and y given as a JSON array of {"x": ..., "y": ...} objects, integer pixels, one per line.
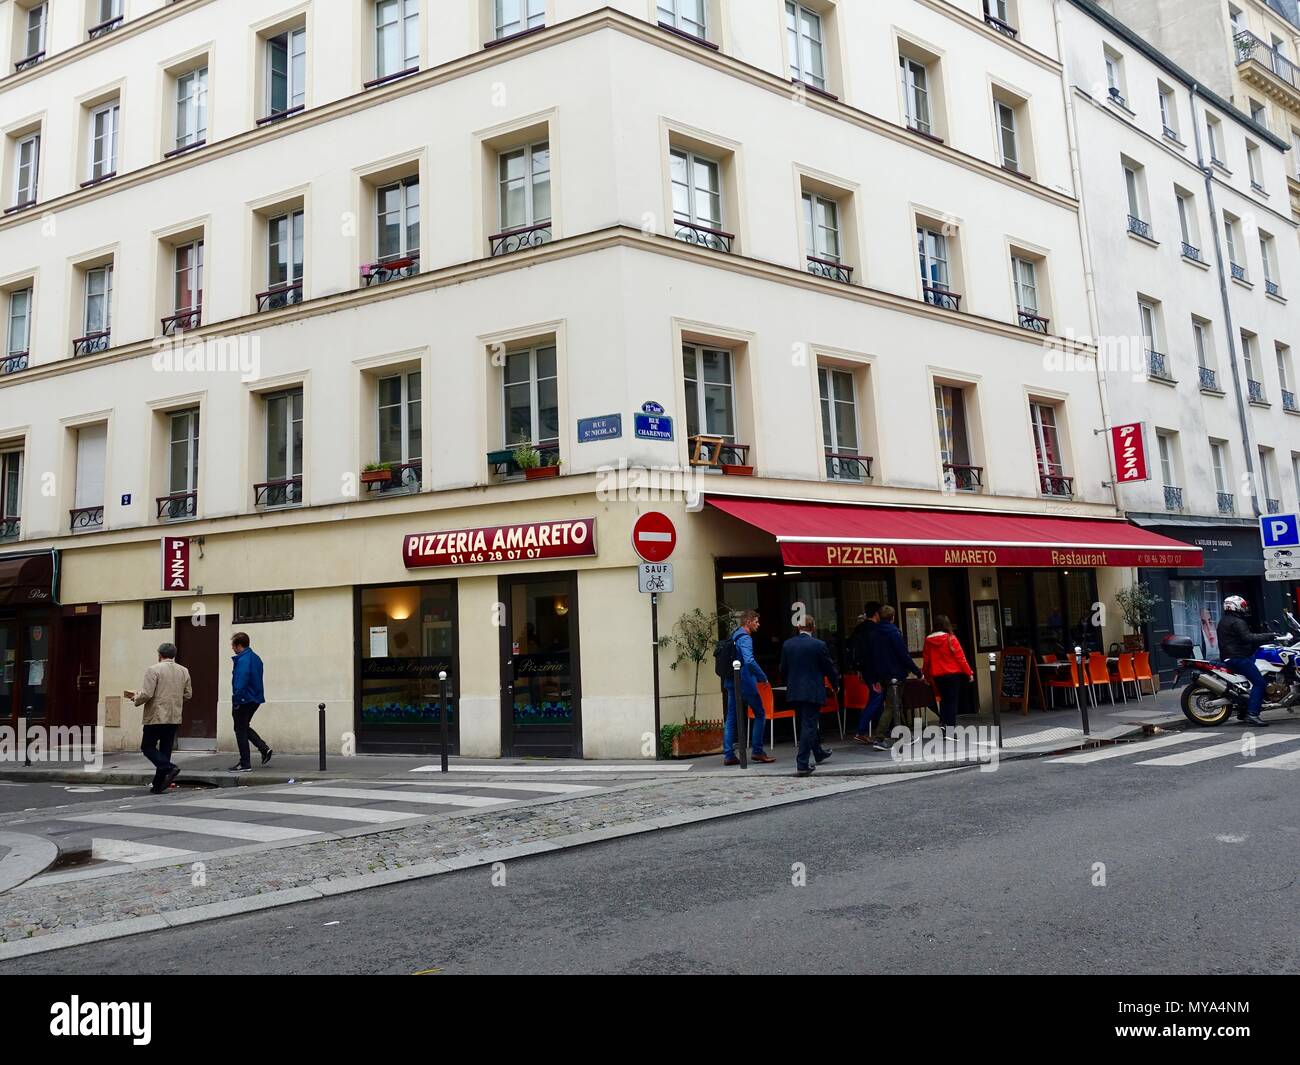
[{"x": 1280, "y": 530}]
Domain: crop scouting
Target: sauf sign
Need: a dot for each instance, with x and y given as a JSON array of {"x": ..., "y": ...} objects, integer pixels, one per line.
[
  {"x": 1130, "y": 453},
  {"x": 175, "y": 564},
  {"x": 573, "y": 538}
]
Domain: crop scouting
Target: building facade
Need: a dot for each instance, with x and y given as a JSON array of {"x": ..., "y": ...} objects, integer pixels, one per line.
[{"x": 370, "y": 328}]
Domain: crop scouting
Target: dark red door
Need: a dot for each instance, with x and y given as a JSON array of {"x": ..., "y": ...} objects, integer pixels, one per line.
[
  {"x": 80, "y": 658},
  {"x": 198, "y": 649}
]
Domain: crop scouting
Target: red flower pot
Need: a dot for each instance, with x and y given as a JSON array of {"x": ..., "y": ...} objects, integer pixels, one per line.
[
  {"x": 538, "y": 472},
  {"x": 737, "y": 471}
]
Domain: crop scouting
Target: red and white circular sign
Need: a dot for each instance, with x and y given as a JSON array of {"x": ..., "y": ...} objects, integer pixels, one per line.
[{"x": 654, "y": 537}]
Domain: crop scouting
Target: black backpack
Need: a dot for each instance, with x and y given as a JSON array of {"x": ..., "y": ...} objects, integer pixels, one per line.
[{"x": 724, "y": 653}]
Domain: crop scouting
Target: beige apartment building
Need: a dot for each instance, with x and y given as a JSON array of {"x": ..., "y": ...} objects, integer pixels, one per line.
[{"x": 370, "y": 327}]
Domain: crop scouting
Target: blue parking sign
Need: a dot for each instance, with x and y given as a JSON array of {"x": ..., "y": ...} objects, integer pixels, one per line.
[{"x": 1280, "y": 530}]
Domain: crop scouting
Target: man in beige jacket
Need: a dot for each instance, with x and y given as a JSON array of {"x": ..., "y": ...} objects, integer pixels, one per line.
[{"x": 164, "y": 691}]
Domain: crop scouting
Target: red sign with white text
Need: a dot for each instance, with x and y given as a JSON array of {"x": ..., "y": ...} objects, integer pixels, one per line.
[
  {"x": 654, "y": 536},
  {"x": 175, "y": 564},
  {"x": 1130, "y": 446},
  {"x": 573, "y": 538}
]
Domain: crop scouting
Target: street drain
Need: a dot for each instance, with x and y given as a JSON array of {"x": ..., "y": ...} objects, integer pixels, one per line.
[{"x": 73, "y": 860}]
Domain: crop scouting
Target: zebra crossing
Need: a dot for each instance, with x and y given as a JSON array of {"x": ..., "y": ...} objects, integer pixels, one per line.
[
  {"x": 100, "y": 841},
  {"x": 1197, "y": 748}
]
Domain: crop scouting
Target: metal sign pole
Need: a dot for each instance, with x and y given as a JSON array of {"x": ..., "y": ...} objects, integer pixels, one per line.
[
  {"x": 742, "y": 730},
  {"x": 1083, "y": 705},
  {"x": 993, "y": 681},
  {"x": 654, "y": 642},
  {"x": 443, "y": 712}
]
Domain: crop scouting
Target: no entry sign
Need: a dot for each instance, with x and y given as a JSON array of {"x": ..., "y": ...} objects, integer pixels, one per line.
[{"x": 654, "y": 537}]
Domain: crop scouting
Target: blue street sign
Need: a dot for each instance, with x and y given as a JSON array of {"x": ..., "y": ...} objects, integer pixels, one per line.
[
  {"x": 606, "y": 427},
  {"x": 653, "y": 426},
  {"x": 126, "y": 500},
  {"x": 651, "y": 408},
  {"x": 1280, "y": 530}
]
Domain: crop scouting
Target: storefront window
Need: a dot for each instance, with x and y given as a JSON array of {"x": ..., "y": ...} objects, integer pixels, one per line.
[
  {"x": 407, "y": 635},
  {"x": 1049, "y": 611},
  {"x": 1196, "y": 608},
  {"x": 35, "y": 671},
  {"x": 541, "y": 655}
]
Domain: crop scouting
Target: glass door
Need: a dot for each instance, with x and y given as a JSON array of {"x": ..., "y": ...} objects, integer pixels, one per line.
[
  {"x": 9, "y": 673},
  {"x": 34, "y": 671},
  {"x": 539, "y": 677}
]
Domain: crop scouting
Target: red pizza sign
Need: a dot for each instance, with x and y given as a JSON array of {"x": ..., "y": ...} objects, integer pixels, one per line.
[
  {"x": 1130, "y": 453},
  {"x": 575, "y": 538},
  {"x": 654, "y": 537},
  {"x": 175, "y": 564}
]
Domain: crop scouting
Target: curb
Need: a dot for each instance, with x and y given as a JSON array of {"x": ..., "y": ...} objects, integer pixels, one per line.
[
  {"x": 27, "y": 856},
  {"x": 145, "y": 778}
]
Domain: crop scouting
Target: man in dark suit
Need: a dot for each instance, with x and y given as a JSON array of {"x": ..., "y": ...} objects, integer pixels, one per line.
[{"x": 806, "y": 665}]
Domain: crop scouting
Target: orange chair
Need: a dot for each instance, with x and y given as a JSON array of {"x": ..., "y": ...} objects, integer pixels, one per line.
[
  {"x": 1128, "y": 675},
  {"x": 1142, "y": 670},
  {"x": 856, "y": 693},
  {"x": 769, "y": 704},
  {"x": 1098, "y": 675},
  {"x": 1071, "y": 686},
  {"x": 1049, "y": 659}
]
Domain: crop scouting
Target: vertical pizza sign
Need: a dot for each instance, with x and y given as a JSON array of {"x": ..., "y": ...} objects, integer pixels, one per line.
[
  {"x": 1130, "y": 453},
  {"x": 175, "y": 564}
]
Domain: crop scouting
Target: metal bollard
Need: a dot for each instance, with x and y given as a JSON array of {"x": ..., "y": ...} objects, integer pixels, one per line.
[
  {"x": 993, "y": 684},
  {"x": 320, "y": 721},
  {"x": 443, "y": 711},
  {"x": 1083, "y": 704},
  {"x": 742, "y": 716}
]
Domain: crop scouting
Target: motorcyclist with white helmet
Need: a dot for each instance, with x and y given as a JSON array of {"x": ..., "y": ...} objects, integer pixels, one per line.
[{"x": 1237, "y": 647}]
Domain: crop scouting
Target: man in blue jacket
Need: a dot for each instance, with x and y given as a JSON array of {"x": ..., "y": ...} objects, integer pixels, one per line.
[
  {"x": 246, "y": 695},
  {"x": 806, "y": 665},
  {"x": 751, "y": 676},
  {"x": 892, "y": 661}
]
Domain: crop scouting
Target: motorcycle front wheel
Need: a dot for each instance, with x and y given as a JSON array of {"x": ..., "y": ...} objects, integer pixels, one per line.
[{"x": 1202, "y": 707}]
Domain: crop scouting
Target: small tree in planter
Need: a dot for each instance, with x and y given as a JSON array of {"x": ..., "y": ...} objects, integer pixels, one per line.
[
  {"x": 1136, "y": 604},
  {"x": 692, "y": 639}
]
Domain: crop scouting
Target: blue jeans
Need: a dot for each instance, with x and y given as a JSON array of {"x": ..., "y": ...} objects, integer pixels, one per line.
[
  {"x": 871, "y": 712},
  {"x": 1247, "y": 668},
  {"x": 751, "y": 699}
]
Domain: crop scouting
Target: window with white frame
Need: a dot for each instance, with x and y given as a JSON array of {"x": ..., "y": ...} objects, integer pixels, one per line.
[
  {"x": 1201, "y": 341},
  {"x": 34, "y": 31},
  {"x": 103, "y": 141},
  {"x": 1168, "y": 111},
  {"x": 1168, "y": 469},
  {"x": 1149, "y": 320},
  {"x": 1008, "y": 136},
  {"x": 710, "y": 392},
  {"x": 1295, "y": 152},
  {"x": 1259, "y": 113},
  {"x": 1219, "y": 463},
  {"x": 524, "y": 186},
  {"x": 192, "y": 108},
  {"x": 183, "y": 451},
  {"x": 397, "y": 36},
  {"x": 1047, "y": 449},
  {"x": 697, "y": 196},
  {"x": 1267, "y": 260},
  {"x": 286, "y": 71},
  {"x": 1283, "y": 354},
  {"x": 1295, "y": 472},
  {"x": 516, "y": 16},
  {"x": 1231, "y": 237},
  {"x": 88, "y": 486},
  {"x": 27, "y": 160},
  {"x": 19, "y": 326},
  {"x": 1214, "y": 134},
  {"x": 1266, "y": 478},
  {"x": 1136, "y": 193},
  {"x": 284, "y": 242},
  {"x": 689, "y": 16},
  {"x": 1187, "y": 223},
  {"x": 916, "y": 94},
  {"x": 284, "y": 446},
  {"x": 531, "y": 397},
  {"x": 11, "y": 492},
  {"x": 398, "y": 400},
  {"x": 188, "y": 277},
  {"x": 107, "y": 10},
  {"x": 998, "y": 11},
  {"x": 1025, "y": 272},
  {"x": 954, "y": 436},
  {"x": 1255, "y": 166},
  {"x": 98, "y": 309},
  {"x": 932, "y": 253},
  {"x": 397, "y": 220},
  {"x": 821, "y": 220},
  {"x": 839, "y": 423},
  {"x": 806, "y": 42},
  {"x": 1114, "y": 75}
]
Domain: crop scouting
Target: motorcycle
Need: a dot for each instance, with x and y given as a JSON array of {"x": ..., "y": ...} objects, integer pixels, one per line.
[{"x": 1216, "y": 692}]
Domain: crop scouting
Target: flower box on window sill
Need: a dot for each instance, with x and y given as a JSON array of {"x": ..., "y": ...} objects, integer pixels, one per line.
[
  {"x": 733, "y": 470},
  {"x": 537, "y": 473},
  {"x": 381, "y": 475}
]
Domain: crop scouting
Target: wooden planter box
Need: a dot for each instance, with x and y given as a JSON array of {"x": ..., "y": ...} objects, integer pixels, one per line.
[
  {"x": 1133, "y": 643},
  {"x": 538, "y": 472},
  {"x": 695, "y": 742},
  {"x": 376, "y": 476},
  {"x": 737, "y": 471}
]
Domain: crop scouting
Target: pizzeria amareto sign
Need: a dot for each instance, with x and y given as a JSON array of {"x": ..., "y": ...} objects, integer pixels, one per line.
[
  {"x": 850, "y": 554},
  {"x": 572, "y": 538}
]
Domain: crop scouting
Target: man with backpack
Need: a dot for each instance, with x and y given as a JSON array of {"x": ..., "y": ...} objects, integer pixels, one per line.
[
  {"x": 864, "y": 659},
  {"x": 740, "y": 645}
]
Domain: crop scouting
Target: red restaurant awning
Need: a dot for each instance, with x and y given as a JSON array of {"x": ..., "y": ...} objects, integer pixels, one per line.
[{"x": 826, "y": 534}]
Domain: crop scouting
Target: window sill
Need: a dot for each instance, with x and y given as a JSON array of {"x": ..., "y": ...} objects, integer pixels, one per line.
[
  {"x": 1172, "y": 139},
  {"x": 688, "y": 36},
  {"x": 1220, "y": 166},
  {"x": 499, "y": 41},
  {"x": 922, "y": 133},
  {"x": 1291, "y": 410},
  {"x": 813, "y": 89},
  {"x": 1150, "y": 242},
  {"x": 1213, "y": 392},
  {"x": 384, "y": 79},
  {"x": 1119, "y": 105},
  {"x": 1196, "y": 262},
  {"x": 25, "y": 205},
  {"x": 1278, "y": 298},
  {"x": 1262, "y": 404},
  {"x": 1258, "y": 190},
  {"x": 1170, "y": 382},
  {"x": 1243, "y": 284}
]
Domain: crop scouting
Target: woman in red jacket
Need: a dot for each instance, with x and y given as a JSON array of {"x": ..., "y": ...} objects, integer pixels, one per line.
[{"x": 944, "y": 663}]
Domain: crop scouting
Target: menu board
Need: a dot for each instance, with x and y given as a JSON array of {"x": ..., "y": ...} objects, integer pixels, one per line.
[{"x": 1019, "y": 678}]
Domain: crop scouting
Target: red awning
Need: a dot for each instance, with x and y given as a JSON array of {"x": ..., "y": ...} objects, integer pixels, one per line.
[
  {"x": 28, "y": 580},
  {"x": 826, "y": 534}
]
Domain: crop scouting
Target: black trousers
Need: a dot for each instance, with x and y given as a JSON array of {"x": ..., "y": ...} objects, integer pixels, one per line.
[
  {"x": 810, "y": 745},
  {"x": 244, "y": 734},
  {"x": 950, "y": 685},
  {"x": 156, "y": 745}
]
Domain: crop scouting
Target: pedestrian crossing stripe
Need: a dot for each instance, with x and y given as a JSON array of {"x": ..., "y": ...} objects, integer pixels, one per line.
[
  {"x": 1290, "y": 760},
  {"x": 1219, "y": 750},
  {"x": 198, "y": 825},
  {"x": 129, "y": 852},
  {"x": 303, "y": 809},
  {"x": 392, "y": 795},
  {"x": 519, "y": 770},
  {"x": 537, "y": 787},
  {"x": 1120, "y": 750}
]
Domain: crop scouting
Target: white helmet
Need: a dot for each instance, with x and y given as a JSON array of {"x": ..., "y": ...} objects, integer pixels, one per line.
[{"x": 1235, "y": 603}]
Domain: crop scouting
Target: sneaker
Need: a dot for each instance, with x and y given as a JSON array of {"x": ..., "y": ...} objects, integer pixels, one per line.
[
  {"x": 1255, "y": 722},
  {"x": 266, "y": 755},
  {"x": 767, "y": 758},
  {"x": 240, "y": 769},
  {"x": 822, "y": 757},
  {"x": 876, "y": 745}
]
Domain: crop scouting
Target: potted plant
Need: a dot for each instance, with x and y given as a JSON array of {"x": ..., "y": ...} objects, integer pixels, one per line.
[
  {"x": 1136, "y": 604},
  {"x": 736, "y": 470},
  {"x": 693, "y": 638},
  {"x": 529, "y": 459},
  {"x": 377, "y": 473}
]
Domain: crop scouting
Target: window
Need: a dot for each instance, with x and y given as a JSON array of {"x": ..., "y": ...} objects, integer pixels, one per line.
[
  {"x": 916, "y": 94},
  {"x": 710, "y": 392},
  {"x": 1230, "y": 234},
  {"x": 1266, "y": 256},
  {"x": 188, "y": 288},
  {"x": 1214, "y": 134},
  {"x": 530, "y": 396},
  {"x": 1047, "y": 451},
  {"x": 18, "y": 333},
  {"x": 1271, "y": 504},
  {"x": 157, "y": 614},
  {"x": 1283, "y": 355},
  {"x": 1168, "y": 112},
  {"x": 192, "y": 108},
  {"x": 183, "y": 456},
  {"x": 286, "y": 71},
  {"x": 1295, "y": 472},
  {"x": 516, "y": 16},
  {"x": 954, "y": 439},
  {"x": 1187, "y": 224},
  {"x": 697, "y": 199},
  {"x": 1295, "y": 152},
  {"x": 524, "y": 183},
  {"x": 27, "y": 158},
  {"x": 399, "y": 418},
  {"x": 1024, "y": 276},
  {"x": 88, "y": 490},
  {"x": 11, "y": 493},
  {"x": 1114, "y": 76},
  {"x": 1255, "y": 167},
  {"x": 932, "y": 253},
  {"x": 1259, "y": 113},
  {"x": 33, "y": 40},
  {"x": 1202, "y": 340},
  {"x": 105, "y": 11},
  {"x": 397, "y": 36},
  {"x": 806, "y": 44},
  {"x": 283, "y": 448},
  {"x": 998, "y": 14},
  {"x": 254, "y": 607},
  {"x": 397, "y": 223},
  {"x": 689, "y": 16},
  {"x": 1254, "y": 386},
  {"x": 821, "y": 220},
  {"x": 1236, "y": 18},
  {"x": 97, "y": 317},
  {"x": 103, "y": 141},
  {"x": 284, "y": 251},
  {"x": 1167, "y": 470},
  {"x": 1219, "y": 462},
  {"x": 1149, "y": 320},
  {"x": 1134, "y": 188},
  {"x": 839, "y": 423},
  {"x": 1007, "y": 137}
]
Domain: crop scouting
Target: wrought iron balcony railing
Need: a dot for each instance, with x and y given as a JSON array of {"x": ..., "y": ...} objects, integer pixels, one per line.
[
  {"x": 1171, "y": 133},
  {"x": 279, "y": 296},
  {"x": 181, "y": 149},
  {"x": 20, "y": 206},
  {"x": 1173, "y": 498},
  {"x": 692, "y": 233},
  {"x": 9, "y": 529},
  {"x": 1227, "y": 503},
  {"x": 501, "y": 462},
  {"x": 1273, "y": 289},
  {"x": 281, "y": 493},
  {"x": 1192, "y": 252},
  {"x": 276, "y": 116},
  {"x": 512, "y": 240},
  {"x": 1031, "y": 321},
  {"x": 390, "y": 269},
  {"x": 405, "y": 477},
  {"x": 1255, "y": 392},
  {"x": 1158, "y": 366},
  {"x": 83, "y": 518},
  {"x": 962, "y": 478},
  {"x": 1238, "y": 272},
  {"x": 107, "y": 26},
  {"x": 1139, "y": 228},
  {"x": 181, "y": 321},
  {"x": 384, "y": 79},
  {"x": 939, "y": 296},
  {"x": 29, "y": 61},
  {"x": 1251, "y": 47},
  {"x": 830, "y": 269},
  {"x": 13, "y": 363},
  {"x": 1118, "y": 97},
  {"x": 1004, "y": 28},
  {"x": 177, "y": 506},
  {"x": 1209, "y": 379},
  {"x": 1273, "y": 506},
  {"x": 1053, "y": 484},
  {"x": 1289, "y": 402},
  {"x": 91, "y": 343},
  {"x": 847, "y": 466}
]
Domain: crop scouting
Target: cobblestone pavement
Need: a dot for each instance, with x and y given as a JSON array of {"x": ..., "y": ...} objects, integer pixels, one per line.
[{"x": 453, "y": 842}]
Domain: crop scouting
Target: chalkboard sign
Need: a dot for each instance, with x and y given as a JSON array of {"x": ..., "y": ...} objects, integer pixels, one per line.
[{"x": 1019, "y": 678}]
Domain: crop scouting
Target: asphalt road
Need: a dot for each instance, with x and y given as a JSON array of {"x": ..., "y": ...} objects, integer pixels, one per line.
[
  {"x": 18, "y": 798},
  {"x": 1040, "y": 867}
]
